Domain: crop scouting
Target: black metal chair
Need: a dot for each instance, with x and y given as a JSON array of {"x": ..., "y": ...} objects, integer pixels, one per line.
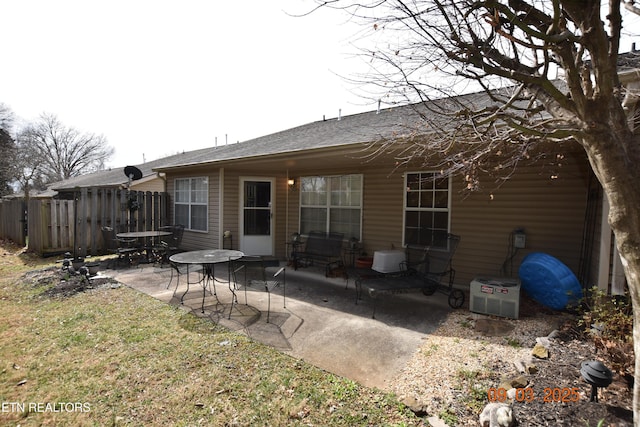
[
  {"x": 433, "y": 264},
  {"x": 250, "y": 271},
  {"x": 168, "y": 245},
  {"x": 125, "y": 249}
]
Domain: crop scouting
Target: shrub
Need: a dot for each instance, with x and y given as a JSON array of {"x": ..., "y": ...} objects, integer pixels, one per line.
[{"x": 608, "y": 321}]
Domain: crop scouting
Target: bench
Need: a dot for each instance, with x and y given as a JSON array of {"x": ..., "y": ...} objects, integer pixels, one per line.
[
  {"x": 320, "y": 247},
  {"x": 423, "y": 270}
]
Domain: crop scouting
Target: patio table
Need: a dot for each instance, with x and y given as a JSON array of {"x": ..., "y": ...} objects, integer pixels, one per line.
[
  {"x": 207, "y": 258},
  {"x": 144, "y": 235}
]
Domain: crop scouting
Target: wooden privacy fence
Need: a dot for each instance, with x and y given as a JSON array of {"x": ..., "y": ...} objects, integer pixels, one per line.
[
  {"x": 51, "y": 222},
  {"x": 13, "y": 220}
]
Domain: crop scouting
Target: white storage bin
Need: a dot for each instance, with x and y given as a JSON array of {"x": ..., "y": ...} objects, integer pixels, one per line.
[
  {"x": 388, "y": 261},
  {"x": 499, "y": 296}
]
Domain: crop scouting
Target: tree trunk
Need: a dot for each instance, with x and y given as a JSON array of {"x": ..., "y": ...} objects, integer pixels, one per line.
[
  {"x": 615, "y": 159},
  {"x": 636, "y": 350}
]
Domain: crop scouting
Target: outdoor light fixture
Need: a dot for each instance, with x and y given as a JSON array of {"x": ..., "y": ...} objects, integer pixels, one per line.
[
  {"x": 291, "y": 182},
  {"x": 596, "y": 374}
]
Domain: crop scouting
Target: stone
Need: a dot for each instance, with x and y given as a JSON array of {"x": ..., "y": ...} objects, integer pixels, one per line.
[
  {"x": 434, "y": 421},
  {"x": 493, "y": 327},
  {"x": 497, "y": 415},
  {"x": 540, "y": 351},
  {"x": 525, "y": 366},
  {"x": 418, "y": 408},
  {"x": 514, "y": 382},
  {"x": 544, "y": 341},
  {"x": 554, "y": 334}
]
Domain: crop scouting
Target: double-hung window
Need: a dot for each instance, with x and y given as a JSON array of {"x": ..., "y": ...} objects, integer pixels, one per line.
[
  {"x": 191, "y": 202},
  {"x": 331, "y": 204},
  {"x": 426, "y": 209}
]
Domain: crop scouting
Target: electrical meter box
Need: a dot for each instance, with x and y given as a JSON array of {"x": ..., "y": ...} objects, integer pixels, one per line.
[{"x": 498, "y": 296}]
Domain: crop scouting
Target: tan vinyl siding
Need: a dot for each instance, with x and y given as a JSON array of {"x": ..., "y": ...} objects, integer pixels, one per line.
[
  {"x": 196, "y": 239},
  {"x": 156, "y": 184},
  {"x": 551, "y": 211},
  {"x": 383, "y": 210},
  {"x": 231, "y": 213},
  {"x": 281, "y": 230}
]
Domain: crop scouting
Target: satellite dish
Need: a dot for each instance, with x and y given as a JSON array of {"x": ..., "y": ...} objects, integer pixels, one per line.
[{"x": 133, "y": 173}]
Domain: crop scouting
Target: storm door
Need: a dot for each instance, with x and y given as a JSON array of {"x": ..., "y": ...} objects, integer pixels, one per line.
[{"x": 256, "y": 225}]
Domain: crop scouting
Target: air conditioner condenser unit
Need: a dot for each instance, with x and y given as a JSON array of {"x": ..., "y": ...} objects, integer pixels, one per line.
[{"x": 498, "y": 296}]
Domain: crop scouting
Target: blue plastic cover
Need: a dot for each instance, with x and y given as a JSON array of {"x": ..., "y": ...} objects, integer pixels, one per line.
[{"x": 549, "y": 281}]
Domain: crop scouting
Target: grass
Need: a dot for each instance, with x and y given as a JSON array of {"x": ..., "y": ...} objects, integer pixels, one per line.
[
  {"x": 113, "y": 356},
  {"x": 513, "y": 342},
  {"x": 474, "y": 386}
]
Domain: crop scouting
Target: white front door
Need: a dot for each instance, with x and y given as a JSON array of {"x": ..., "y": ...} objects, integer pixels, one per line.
[{"x": 256, "y": 214}]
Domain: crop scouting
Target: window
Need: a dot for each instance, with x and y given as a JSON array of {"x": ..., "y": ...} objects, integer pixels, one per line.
[
  {"x": 331, "y": 204},
  {"x": 191, "y": 203},
  {"x": 426, "y": 209}
]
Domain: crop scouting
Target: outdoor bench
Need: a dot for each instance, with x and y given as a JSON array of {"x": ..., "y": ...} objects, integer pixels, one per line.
[
  {"x": 423, "y": 270},
  {"x": 324, "y": 248}
]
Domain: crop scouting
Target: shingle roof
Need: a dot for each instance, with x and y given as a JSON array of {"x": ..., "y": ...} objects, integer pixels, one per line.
[
  {"x": 104, "y": 178},
  {"x": 629, "y": 60},
  {"x": 330, "y": 133}
]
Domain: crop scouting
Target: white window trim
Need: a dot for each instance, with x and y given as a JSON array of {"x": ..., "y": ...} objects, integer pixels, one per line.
[
  {"x": 404, "y": 203},
  {"x": 328, "y": 206},
  {"x": 206, "y": 203}
]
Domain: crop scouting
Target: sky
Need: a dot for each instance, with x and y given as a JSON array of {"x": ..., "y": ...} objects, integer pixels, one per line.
[{"x": 158, "y": 77}]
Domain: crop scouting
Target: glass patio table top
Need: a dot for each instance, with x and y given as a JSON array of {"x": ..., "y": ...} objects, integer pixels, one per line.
[{"x": 207, "y": 258}]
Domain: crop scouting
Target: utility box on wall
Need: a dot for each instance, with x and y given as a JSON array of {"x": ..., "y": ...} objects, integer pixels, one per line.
[{"x": 498, "y": 296}]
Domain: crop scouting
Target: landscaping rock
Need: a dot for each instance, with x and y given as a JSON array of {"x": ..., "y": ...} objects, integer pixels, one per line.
[
  {"x": 540, "y": 351},
  {"x": 525, "y": 366},
  {"x": 419, "y": 408},
  {"x": 514, "y": 382}
]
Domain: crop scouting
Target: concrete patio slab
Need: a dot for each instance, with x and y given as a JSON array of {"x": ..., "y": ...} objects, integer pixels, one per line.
[{"x": 319, "y": 321}]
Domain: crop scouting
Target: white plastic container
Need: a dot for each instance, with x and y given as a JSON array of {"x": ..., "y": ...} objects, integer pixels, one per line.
[{"x": 388, "y": 261}]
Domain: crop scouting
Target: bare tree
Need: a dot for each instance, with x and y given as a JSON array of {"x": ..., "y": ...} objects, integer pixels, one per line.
[
  {"x": 426, "y": 49},
  {"x": 7, "y": 147},
  {"x": 29, "y": 163},
  {"x": 56, "y": 152}
]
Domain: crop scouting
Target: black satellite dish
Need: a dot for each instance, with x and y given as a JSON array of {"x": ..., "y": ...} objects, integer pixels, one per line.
[{"x": 133, "y": 173}]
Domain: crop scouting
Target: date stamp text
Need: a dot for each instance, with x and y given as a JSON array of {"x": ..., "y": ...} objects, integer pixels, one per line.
[{"x": 527, "y": 394}]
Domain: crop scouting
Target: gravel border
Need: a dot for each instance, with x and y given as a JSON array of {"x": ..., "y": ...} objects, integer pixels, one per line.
[{"x": 457, "y": 359}]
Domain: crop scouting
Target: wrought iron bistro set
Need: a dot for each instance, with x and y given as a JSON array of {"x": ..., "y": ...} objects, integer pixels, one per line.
[
  {"x": 414, "y": 268},
  {"x": 419, "y": 268},
  {"x": 242, "y": 271}
]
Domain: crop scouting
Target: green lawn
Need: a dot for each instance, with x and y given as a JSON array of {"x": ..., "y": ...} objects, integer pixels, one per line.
[{"x": 113, "y": 356}]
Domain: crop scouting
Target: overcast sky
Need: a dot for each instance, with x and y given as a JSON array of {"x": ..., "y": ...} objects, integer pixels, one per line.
[{"x": 157, "y": 77}]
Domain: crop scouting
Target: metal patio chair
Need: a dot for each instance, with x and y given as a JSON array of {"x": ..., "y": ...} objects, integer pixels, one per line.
[
  {"x": 123, "y": 248},
  {"x": 251, "y": 271}
]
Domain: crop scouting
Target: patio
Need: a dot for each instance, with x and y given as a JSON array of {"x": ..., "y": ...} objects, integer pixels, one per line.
[{"x": 321, "y": 323}]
